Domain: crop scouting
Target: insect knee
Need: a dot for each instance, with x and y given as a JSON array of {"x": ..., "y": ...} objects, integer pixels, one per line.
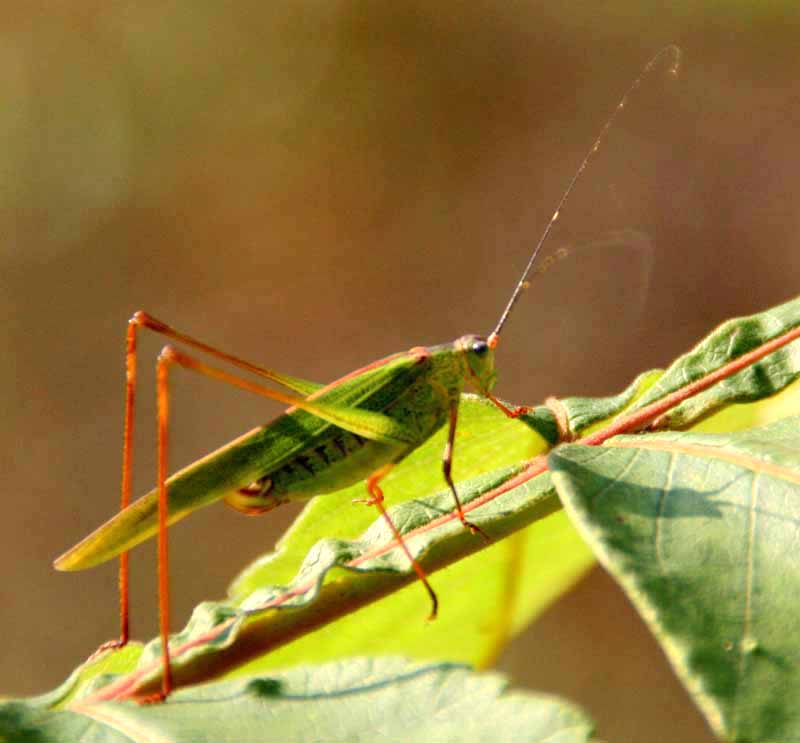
[{"x": 254, "y": 499}]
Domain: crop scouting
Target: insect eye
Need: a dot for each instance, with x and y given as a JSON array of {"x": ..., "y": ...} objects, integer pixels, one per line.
[{"x": 480, "y": 347}]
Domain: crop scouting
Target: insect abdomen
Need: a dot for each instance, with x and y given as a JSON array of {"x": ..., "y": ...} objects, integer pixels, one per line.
[{"x": 338, "y": 461}]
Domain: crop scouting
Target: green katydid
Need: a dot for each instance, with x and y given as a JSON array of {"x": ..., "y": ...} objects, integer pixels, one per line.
[{"x": 354, "y": 429}]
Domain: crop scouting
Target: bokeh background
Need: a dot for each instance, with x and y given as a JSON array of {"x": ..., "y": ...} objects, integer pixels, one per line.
[{"x": 320, "y": 183}]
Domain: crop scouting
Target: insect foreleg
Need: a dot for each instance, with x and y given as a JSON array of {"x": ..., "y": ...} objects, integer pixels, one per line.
[
  {"x": 510, "y": 412},
  {"x": 447, "y": 466}
]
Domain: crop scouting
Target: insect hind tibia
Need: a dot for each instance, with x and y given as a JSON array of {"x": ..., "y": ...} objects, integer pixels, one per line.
[{"x": 671, "y": 51}]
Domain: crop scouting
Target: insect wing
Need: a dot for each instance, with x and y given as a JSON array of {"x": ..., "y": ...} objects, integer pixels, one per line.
[{"x": 242, "y": 461}]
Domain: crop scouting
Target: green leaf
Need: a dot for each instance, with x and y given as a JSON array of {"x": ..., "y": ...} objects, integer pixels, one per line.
[
  {"x": 584, "y": 414},
  {"x": 737, "y": 417},
  {"x": 359, "y": 701},
  {"x": 701, "y": 532},
  {"x": 729, "y": 341}
]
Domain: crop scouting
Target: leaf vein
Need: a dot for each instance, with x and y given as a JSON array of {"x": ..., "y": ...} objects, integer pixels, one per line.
[
  {"x": 662, "y": 498},
  {"x": 746, "y": 640},
  {"x": 749, "y": 462},
  {"x": 134, "y": 730}
]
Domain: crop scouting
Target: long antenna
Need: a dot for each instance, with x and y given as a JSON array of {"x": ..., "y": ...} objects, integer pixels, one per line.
[{"x": 671, "y": 50}]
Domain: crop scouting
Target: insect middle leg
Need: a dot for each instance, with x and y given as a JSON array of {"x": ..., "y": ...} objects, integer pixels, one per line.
[{"x": 376, "y": 499}]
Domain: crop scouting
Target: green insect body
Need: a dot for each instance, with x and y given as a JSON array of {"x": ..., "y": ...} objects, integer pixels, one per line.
[{"x": 300, "y": 455}]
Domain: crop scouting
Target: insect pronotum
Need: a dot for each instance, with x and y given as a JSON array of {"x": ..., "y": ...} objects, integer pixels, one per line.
[{"x": 354, "y": 429}]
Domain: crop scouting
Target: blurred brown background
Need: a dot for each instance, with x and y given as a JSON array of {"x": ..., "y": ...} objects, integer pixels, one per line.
[{"x": 318, "y": 184}]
